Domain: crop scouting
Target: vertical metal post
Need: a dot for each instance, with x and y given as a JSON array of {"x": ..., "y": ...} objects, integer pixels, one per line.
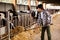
[
  {"x": 8, "y": 25},
  {"x": 24, "y": 20},
  {"x": 21, "y": 21},
  {"x": 0, "y": 27},
  {"x": 18, "y": 20}
]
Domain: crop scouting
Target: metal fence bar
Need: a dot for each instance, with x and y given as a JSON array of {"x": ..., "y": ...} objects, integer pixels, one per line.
[
  {"x": 8, "y": 25},
  {"x": 3, "y": 28}
]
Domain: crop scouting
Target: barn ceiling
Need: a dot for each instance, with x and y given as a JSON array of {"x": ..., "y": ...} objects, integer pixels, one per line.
[{"x": 55, "y": 2}]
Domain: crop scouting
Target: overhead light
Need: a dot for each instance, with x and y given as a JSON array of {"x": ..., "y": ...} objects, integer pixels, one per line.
[
  {"x": 48, "y": 4},
  {"x": 40, "y": 3}
]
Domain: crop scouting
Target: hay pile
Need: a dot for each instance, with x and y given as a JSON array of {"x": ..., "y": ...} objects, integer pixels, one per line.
[
  {"x": 17, "y": 30},
  {"x": 25, "y": 35},
  {"x": 22, "y": 36}
]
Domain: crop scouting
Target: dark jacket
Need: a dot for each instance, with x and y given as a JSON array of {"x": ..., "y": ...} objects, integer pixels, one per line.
[{"x": 33, "y": 15}]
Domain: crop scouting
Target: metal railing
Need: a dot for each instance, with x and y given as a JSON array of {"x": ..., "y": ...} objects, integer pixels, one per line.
[
  {"x": 24, "y": 20},
  {"x": 3, "y": 28}
]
